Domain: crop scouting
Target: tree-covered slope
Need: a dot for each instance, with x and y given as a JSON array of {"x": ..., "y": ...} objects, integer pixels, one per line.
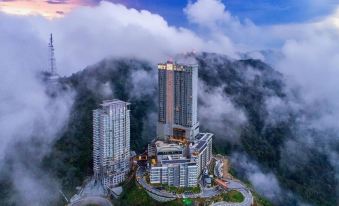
[
  {"x": 71, "y": 157},
  {"x": 248, "y": 86},
  {"x": 255, "y": 88}
]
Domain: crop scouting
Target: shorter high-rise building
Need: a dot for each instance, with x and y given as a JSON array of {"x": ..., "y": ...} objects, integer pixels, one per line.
[
  {"x": 180, "y": 165},
  {"x": 111, "y": 142}
]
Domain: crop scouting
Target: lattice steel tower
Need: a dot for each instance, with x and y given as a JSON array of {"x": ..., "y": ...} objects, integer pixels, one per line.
[{"x": 52, "y": 57}]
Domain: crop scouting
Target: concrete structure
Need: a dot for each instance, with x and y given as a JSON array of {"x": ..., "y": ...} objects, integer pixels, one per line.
[
  {"x": 111, "y": 142},
  {"x": 208, "y": 181},
  {"x": 179, "y": 173},
  {"x": 182, "y": 153},
  {"x": 168, "y": 150},
  {"x": 116, "y": 192},
  {"x": 201, "y": 150},
  {"x": 177, "y": 165},
  {"x": 178, "y": 100},
  {"x": 218, "y": 169},
  {"x": 161, "y": 196}
]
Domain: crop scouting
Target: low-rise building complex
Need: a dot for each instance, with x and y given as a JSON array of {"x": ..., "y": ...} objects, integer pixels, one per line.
[{"x": 180, "y": 165}]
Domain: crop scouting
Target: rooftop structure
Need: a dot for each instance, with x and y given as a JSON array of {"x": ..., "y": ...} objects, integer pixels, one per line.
[{"x": 165, "y": 151}]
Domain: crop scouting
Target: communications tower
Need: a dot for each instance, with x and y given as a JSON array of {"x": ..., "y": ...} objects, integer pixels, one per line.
[{"x": 52, "y": 65}]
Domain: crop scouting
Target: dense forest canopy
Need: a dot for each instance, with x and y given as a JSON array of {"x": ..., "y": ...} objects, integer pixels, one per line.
[{"x": 245, "y": 103}]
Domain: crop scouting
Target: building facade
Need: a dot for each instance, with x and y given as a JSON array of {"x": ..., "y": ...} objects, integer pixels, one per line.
[
  {"x": 201, "y": 150},
  {"x": 111, "y": 142},
  {"x": 175, "y": 167},
  {"x": 178, "y": 100},
  {"x": 178, "y": 173}
]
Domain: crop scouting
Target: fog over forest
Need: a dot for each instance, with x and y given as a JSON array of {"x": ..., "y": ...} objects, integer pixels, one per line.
[{"x": 274, "y": 109}]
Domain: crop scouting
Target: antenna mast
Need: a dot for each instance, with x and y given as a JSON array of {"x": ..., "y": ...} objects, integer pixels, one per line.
[{"x": 52, "y": 57}]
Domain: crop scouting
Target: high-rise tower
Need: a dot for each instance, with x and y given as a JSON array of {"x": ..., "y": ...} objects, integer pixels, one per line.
[
  {"x": 111, "y": 142},
  {"x": 178, "y": 100}
]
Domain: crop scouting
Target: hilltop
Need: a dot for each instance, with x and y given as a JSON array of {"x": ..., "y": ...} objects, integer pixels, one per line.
[{"x": 244, "y": 123}]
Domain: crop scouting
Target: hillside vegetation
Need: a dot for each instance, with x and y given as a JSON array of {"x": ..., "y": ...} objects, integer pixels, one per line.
[{"x": 247, "y": 84}]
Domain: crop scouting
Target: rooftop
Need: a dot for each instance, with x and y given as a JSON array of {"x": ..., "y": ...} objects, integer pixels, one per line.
[
  {"x": 113, "y": 101},
  {"x": 203, "y": 136},
  {"x": 170, "y": 65},
  {"x": 163, "y": 146},
  {"x": 175, "y": 161},
  {"x": 201, "y": 145}
]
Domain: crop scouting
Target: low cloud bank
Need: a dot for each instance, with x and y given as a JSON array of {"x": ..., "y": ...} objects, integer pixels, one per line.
[{"x": 30, "y": 119}]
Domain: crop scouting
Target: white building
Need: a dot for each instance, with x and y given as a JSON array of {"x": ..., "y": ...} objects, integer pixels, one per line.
[
  {"x": 111, "y": 142},
  {"x": 175, "y": 172},
  {"x": 178, "y": 166},
  {"x": 201, "y": 150}
]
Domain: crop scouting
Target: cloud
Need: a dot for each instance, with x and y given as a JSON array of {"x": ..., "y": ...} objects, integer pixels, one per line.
[
  {"x": 33, "y": 186},
  {"x": 226, "y": 117},
  {"x": 311, "y": 65},
  {"x": 264, "y": 182},
  {"x": 57, "y": 1},
  {"x": 217, "y": 22},
  {"x": 207, "y": 13},
  {"x": 82, "y": 37},
  {"x": 143, "y": 83},
  {"x": 130, "y": 32},
  {"x": 309, "y": 61},
  {"x": 47, "y": 8},
  {"x": 89, "y": 34},
  {"x": 30, "y": 121}
]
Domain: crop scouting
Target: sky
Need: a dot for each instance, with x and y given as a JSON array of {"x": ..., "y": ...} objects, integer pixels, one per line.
[
  {"x": 261, "y": 12},
  {"x": 305, "y": 33}
]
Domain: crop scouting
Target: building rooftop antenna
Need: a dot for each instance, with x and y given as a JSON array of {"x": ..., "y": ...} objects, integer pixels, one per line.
[{"x": 52, "y": 57}]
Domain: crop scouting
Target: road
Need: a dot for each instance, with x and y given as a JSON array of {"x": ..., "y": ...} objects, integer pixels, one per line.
[
  {"x": 234, "y": 185},
  {"x": 140, "y": 175},
  {"x": 92, "y": 193},
  {"x": 205, "y": 193},
  {"x": 100, "y": 201}
]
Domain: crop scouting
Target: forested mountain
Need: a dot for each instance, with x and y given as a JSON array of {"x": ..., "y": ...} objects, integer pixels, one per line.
[{"x": 259, "y": 120}]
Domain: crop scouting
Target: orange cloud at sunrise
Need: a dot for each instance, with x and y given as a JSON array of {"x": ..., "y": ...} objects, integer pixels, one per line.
[{"x": 46, "y": 8}]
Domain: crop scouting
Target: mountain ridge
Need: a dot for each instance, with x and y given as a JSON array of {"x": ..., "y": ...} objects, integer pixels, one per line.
[{"x": 247, "y": 84}]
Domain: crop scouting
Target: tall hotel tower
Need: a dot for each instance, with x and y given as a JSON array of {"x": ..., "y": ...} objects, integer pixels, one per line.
[
  {"x": 111, "y": 142},
  {"x": 178, "y": 99}
]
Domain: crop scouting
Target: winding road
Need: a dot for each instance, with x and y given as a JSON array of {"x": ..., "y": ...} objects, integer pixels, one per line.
[
  {"x": 234, "y": 185},
  {"x": 205, "y": 193},
  {"x": 100, "y": 201}
]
